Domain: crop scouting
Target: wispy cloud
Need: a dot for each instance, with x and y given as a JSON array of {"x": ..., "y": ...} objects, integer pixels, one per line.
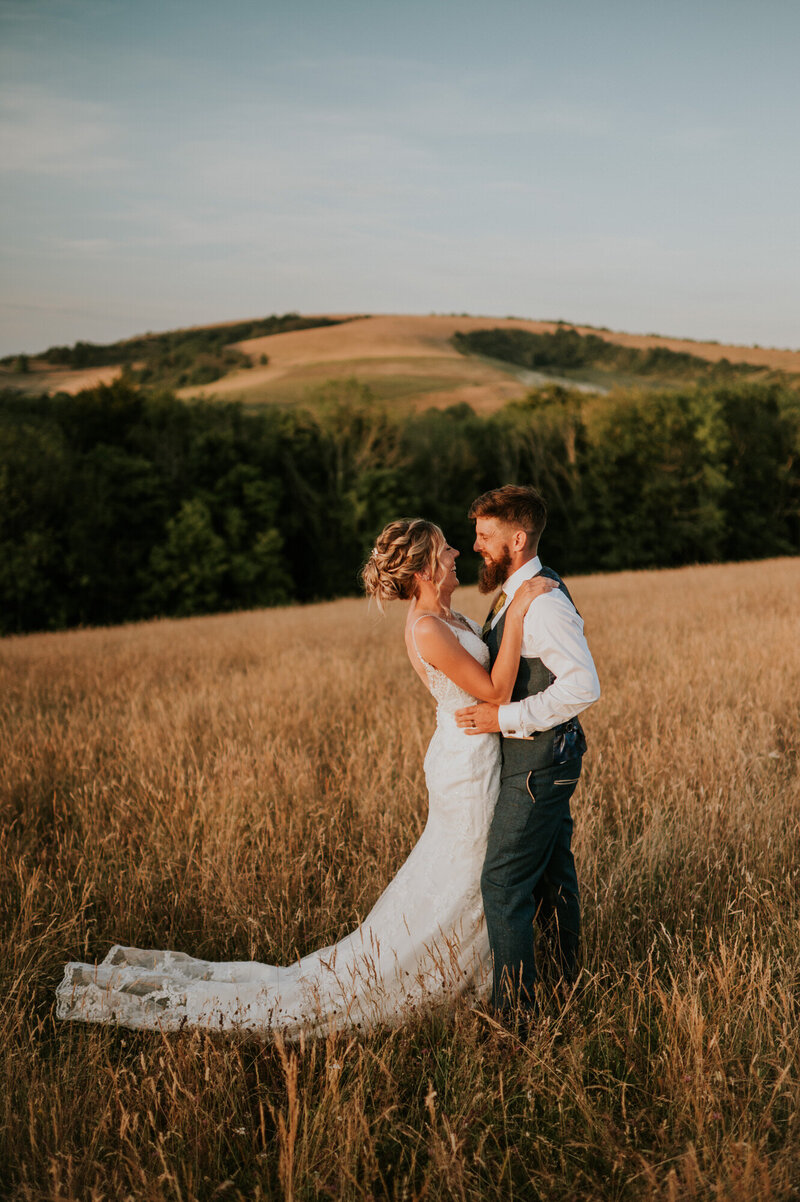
[
  {"x": 94, "y": 247},
  {"x": 44, "y": 133},
  {"x": 699, "y": 137}
]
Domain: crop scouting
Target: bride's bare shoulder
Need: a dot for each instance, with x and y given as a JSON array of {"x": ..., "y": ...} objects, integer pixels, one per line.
[{"x": 430, "y": 632}]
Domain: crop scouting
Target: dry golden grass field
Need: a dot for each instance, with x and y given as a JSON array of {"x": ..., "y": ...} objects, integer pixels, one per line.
[{"x": 246, "y": 785}]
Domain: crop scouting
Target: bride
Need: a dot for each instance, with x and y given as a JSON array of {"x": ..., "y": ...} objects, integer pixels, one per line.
[{"x": 425, "y": 939}]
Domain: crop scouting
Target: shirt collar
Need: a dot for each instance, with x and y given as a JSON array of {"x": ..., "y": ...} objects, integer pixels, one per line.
[{"x": 528, "y": 570}]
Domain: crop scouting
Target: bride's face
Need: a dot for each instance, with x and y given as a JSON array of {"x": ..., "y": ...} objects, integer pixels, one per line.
[{"x": 446, "y": 577}]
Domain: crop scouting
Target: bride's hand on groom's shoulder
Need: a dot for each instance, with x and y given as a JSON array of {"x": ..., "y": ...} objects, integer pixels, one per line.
[{"x": 527, "y": 593}]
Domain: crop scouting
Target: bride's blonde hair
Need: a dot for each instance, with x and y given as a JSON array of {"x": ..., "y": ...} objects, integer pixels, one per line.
[{"x": 402, "y": 549}]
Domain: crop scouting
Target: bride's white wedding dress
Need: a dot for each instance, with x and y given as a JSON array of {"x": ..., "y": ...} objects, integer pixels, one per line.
[{"x": 424, "y": 941}]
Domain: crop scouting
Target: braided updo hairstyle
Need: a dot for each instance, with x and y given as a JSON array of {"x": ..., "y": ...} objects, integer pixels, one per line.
[{"x": 403, "y": 548}]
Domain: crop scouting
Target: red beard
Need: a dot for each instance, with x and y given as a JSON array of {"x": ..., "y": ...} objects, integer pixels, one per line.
[{"x": 492, "y": 575}]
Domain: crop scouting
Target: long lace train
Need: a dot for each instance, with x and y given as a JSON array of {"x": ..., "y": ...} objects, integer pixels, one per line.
[{"x": 423, "y": 942}]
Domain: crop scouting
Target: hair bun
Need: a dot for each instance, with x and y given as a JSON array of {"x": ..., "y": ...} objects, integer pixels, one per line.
[{"x": 403, "y": 549}]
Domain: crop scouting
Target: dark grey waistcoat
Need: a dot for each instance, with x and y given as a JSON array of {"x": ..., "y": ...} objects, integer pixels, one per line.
[{"x": 545, "y": 748}]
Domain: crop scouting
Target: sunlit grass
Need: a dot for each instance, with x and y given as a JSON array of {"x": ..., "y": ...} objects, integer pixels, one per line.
[{"x": 245, "y": 786}]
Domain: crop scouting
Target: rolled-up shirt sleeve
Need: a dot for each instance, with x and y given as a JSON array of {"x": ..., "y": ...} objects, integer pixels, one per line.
[{"x": 553, "y": 632}]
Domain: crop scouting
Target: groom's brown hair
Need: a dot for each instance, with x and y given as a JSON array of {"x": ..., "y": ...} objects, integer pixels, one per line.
[{"x": 516, "y": 504}]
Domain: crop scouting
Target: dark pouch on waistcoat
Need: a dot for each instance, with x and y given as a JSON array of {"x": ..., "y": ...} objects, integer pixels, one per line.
[{"x": 569, "y": 741}]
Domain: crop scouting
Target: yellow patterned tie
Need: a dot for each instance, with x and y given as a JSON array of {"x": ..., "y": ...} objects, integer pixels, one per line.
[{"x": 498, "y": 605}]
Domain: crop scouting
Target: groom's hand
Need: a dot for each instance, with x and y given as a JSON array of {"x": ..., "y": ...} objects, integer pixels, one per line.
[{"x": 480, "y": 719}]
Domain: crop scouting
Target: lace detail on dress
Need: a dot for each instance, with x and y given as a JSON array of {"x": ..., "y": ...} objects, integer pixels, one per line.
[{"x": 423, "y": 943}]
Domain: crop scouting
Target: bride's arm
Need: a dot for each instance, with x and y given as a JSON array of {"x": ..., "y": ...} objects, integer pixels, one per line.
[{"x": 439, "y": 646}]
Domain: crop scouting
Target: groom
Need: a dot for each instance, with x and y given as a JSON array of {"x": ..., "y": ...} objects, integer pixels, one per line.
[{"x": 529, "y": 872}]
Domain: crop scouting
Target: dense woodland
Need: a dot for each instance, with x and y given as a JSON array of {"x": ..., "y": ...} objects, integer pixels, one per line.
[{"x": 118, "y": 504}]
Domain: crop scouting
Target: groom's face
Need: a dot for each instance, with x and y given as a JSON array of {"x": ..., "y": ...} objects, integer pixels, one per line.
[{"x": 492, "y": 544}]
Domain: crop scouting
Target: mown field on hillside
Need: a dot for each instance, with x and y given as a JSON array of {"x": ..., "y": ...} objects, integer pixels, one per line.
[
  {"x": 413, "y": 362},
  {"x": 246, "y": 785}
]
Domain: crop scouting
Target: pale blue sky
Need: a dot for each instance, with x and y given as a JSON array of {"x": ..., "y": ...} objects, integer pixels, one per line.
[{"x": 170, "y": 162}]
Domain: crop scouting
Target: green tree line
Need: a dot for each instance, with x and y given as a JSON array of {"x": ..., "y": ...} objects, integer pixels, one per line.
[
  {"x": 117, "y": 504},
  {"x": 565, "y": 349}
]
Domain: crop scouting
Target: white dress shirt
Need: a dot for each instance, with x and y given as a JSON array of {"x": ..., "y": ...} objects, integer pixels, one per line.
[{"x": 552, "y": 631}]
